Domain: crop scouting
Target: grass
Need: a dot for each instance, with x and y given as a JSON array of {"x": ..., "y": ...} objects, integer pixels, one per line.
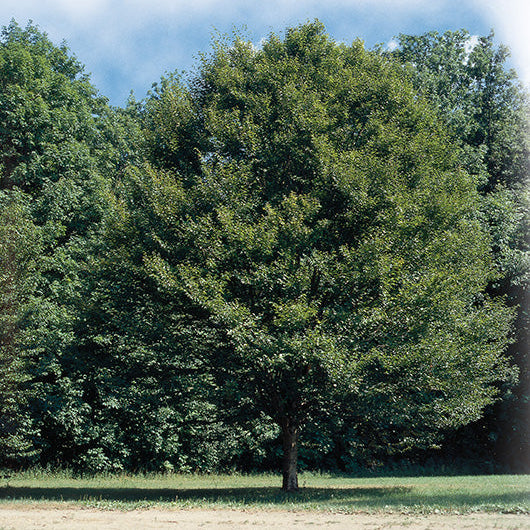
[{"x": 462, "y": 494}]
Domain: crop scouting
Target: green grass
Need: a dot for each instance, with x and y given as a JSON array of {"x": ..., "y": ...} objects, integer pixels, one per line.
[{"x": 461, "y": 494}]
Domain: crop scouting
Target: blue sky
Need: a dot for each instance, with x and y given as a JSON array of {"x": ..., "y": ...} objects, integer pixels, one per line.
[{"x": 128, "y": 44}]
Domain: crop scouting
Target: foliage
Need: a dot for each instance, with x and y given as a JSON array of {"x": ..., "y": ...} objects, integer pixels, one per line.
[
  {"x": 59, "y": 141},
  {"x": 481, "y": 100},
  {"x": 288, "y": 244},
  {"x": 141, "y": 358},
  {"x": 19, "y": 249},
  {"x": 332, "y": 237},
  {"x": 488, "y": 113}
]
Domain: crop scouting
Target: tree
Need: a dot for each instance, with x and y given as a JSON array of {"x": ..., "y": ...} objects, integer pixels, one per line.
[
  {"x": 59, "y": 142},
  {"x": 102, "y": 384},
  {"x": 487, "y": 110},
  {"x": 481, "y": 101},
  {"x": 19, "y": 250},
  {"x": 322, "y": 224}
]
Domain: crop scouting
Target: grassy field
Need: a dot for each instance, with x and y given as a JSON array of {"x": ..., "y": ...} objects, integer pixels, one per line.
[{"x": 460, "y": 494}]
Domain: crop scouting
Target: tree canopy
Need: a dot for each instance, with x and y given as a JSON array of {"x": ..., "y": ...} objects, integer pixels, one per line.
[{"x": 332, "y": 237}]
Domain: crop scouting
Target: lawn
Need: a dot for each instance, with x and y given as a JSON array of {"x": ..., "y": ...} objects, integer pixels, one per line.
[{"x": 321, "y": 492}]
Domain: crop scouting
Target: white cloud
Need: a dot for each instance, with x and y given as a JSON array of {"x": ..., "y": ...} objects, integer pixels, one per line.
[
  {"x": 81, "y": 9},
  {"x": 392, "y": 45},
  {"x": 469, "y": 45},
  {"x": 511, "y": 19}
]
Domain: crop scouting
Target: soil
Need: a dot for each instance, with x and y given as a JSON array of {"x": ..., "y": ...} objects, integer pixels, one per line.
[{"x": 61, "y": 518}]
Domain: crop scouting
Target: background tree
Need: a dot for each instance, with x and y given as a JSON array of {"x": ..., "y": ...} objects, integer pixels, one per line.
[
  {"x": 59, "y": 142},
  {"x": 481, "y": 100},
  {"x": 106, "y": 385},
  {"x": 331, "y": 237},
  {"x": 19, "y": 250}
]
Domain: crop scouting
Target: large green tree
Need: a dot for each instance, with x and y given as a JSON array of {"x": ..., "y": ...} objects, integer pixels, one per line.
[{"x": 315, "y": 212}]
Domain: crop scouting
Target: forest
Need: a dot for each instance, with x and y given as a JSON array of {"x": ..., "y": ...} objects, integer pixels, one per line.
[{"x": 306, "y": 255}]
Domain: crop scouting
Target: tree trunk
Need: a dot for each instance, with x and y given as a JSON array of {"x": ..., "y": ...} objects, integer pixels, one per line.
[{"x": 290, "y": 455}]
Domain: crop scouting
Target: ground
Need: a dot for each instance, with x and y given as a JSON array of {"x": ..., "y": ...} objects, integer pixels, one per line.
[{"x": 61, "y": 518}]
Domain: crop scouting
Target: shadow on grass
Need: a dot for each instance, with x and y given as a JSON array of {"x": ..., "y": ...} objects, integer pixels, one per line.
[{"x": 350, "y": 497}]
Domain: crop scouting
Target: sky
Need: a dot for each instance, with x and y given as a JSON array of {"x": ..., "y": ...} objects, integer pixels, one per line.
[{"x": 127, "y": 45}]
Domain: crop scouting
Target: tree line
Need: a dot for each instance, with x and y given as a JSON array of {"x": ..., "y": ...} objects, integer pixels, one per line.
[{"x": 307, "y": 252}]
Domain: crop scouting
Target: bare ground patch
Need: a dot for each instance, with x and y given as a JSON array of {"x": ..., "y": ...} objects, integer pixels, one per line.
[{"x": 60, "y": 518}]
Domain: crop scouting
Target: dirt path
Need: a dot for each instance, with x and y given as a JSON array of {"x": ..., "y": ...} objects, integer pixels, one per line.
[{"x": 24, "y": 518}]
